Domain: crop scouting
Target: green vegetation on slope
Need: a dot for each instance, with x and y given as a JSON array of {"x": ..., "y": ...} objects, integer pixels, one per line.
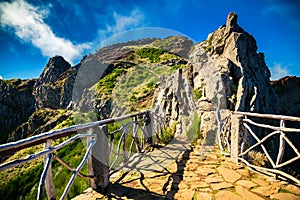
[
  {"x": 197, "y": 93},
  {"x": 21, "y": 182},
  {"x": 153, "y": 54},
  {"x": 107, "y": 83},
  {"x": 134, "y": 91}
]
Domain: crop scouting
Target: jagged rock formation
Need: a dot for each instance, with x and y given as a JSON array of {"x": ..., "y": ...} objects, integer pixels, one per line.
[
  {"x": 54, "y": 87},
  {"x": 174, "y": 101},
  {"x": 227, "y": 72},
  {"x": 287, "y": 90},
  {"x": 16, "y": 104},
  {"x": 231, "y": 73}
]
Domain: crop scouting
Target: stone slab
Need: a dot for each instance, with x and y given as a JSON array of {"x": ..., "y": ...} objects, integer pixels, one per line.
[
  {"x": 246, "y": 184},
  {"x": 293, "y": 189},
  {"x": 213, "y": 179},
  {"x": 246, "y": 194},
  {"x": 227, "y": 195},
  {"x": 222, "y": 185},
  {"x": 260, "y": 182},
  {"x": 203, "y": 195},
  {"x": 285, "y": 196},
  {"x": 266, "y": 190},
  {"x": 229, "y": 175}
]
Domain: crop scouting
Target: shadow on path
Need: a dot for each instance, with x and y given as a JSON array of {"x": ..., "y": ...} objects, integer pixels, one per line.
[{"x": 139, "y": 180}]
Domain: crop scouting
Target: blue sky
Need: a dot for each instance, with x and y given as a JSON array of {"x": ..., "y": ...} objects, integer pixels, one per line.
[{"x": 32, "y": 31}]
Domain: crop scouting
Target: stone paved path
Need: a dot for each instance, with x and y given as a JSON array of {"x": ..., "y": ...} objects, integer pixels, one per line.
[{"x": 179, "y": 172}]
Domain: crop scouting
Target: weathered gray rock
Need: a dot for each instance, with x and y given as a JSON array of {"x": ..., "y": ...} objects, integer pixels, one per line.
[
  {"x": 173, "y": 101},
  {"x": 231, "y": 73}
]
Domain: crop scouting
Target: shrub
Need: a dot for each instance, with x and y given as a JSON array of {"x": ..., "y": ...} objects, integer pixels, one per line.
[
  {"x": 193, "y": 133},
  {"x": 257, "y": 158},
  {"x": 168, "y": 133},
  {"x": 197, "y": 93},
  {"x": 181, "y": 66},
  {"x": 151, "y": 53}
]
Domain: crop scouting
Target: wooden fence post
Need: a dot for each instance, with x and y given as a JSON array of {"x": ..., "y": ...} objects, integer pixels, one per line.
[
  {"x": 281, "y": 144},
  {"x": 98, "y": 161},
  {"x": 135, "y": 134},
  {"x": 236, "y": 133},
  {"x": 49, "y": 184},
  {"x": 149, "y": 129}
]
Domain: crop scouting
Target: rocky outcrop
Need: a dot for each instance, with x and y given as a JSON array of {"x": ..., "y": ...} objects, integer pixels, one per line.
[
  {"x": 16, "y": 104},
  {"x": 39, "y": 122},
  {"x": 224, "y": 72},
  {"x": 54, "y": 87},
  {"x": 173, "y": 101},
  {"x": 287, "y": 90},
  {"x": 231, "y": 73}
]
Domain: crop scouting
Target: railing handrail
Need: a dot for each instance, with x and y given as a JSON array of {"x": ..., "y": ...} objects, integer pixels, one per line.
[
  {"x": 268, "y": 116},
  {"x": 98, "y": 170},
  {"x": 55, "y": 134},
  {"x": 241, "y": 131}
]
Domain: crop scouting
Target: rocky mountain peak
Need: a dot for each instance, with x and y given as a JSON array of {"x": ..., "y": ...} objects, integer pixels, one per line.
[
  {"x": 54, "y": 68},
  {"x": 53, "y": 89},
  {"x": 231, "y": 23},
  {"x": 230, "y": 71}
]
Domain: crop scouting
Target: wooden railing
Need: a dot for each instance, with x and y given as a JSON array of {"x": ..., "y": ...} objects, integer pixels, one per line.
[
  {"x": 101, "y": 145},
  {"x": 242, "y": 133}
]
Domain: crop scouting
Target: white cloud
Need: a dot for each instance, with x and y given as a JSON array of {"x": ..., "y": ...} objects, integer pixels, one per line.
[
  {"x": 122, "y": 23},
  {"x": 278, "y": 71},
  {"x": 1, "y": 77},
  {"x": 28, "y": 23}
]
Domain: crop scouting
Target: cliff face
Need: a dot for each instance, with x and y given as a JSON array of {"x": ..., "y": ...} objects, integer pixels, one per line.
[
  {"x": 53, "y": 89},
  {"x": 174, "y": 101},
  {"x": 288, "y": 92},
  {"x": 231, "y": 73},
  {"x": 226, "y": 72},
  {"x": 16, "y": 105}
]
